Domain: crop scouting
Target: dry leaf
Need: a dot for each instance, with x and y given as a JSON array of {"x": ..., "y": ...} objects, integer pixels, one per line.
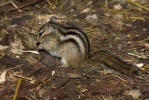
[
  {"x": 3, "y": 47},
  {"x": 17, "y": 47},
  {"x": 134, "y": 93},
  {"x": 3, "y": 77},
  {"x": 139, "y": 65},
  {"x": 93, "y": 19},
  {"x": 117, "y": 7}
]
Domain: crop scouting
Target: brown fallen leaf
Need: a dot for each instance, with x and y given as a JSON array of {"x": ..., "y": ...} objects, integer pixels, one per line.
[{"x": 3, "y": 77}]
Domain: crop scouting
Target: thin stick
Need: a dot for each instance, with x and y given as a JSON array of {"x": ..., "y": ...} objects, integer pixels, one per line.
[
  {"x": 2, "y": 4},
  {"x": 15, "y": 6},
  {"x": 17, "y": 88},
  {"x": 31, "y": 3},
  {"x": 15, "y": 67},
  {"x": 137, "y": 4}
]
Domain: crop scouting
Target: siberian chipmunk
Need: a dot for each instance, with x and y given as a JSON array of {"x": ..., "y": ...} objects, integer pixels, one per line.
[{"x": 72, "y": 46}]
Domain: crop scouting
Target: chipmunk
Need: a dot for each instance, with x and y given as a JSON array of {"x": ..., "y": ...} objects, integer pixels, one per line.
[{"x": 72, "y": 46}]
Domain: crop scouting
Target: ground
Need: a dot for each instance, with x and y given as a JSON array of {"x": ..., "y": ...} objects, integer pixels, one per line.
[{"x": 119, "y": 27}]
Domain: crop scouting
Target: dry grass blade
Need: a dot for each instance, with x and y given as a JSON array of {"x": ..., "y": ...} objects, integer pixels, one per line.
[
  {"x": 17, "y": 88},
  {"x": 138, "y": 5}
]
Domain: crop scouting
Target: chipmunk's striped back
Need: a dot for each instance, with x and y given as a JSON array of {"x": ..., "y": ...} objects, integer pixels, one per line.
[{"x": 69, "y": 39}]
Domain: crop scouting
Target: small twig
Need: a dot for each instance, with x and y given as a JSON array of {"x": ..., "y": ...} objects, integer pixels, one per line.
[
  {"x": 90, "y": 30},
  {"x": 106, "y": 3},
  {"x": 17, "y": 88},
  {"x": 115, "y": 77},
  {"x": 49, "y": 2},
  {"x": 35, "y": 52},
  {"x": 2, "y": 4},
  {"x": 137, "y": 4},
  {"x": 31, "y": 3},
  {"x": 56, "y": 4},
  {"x": 15, "y": 67},
  {"x": 32, "y": 80},
  {"x": 39, "y": 59},
  {"x": 12, "y": 4},
  {"x": 120, "y": 78},
  {"x": 46, "y": 81},
  {"x": 136, "y": 55},
  {"x": 15, "y": 5}
]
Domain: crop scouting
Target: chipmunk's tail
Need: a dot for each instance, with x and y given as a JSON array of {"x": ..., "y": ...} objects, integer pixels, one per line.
[{"x": 116, "y": 63}]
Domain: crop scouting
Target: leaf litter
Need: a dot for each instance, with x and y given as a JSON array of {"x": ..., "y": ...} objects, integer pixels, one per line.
[{"x": 120, "y": 27}]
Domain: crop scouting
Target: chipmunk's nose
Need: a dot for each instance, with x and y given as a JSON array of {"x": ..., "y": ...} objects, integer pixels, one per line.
[{"x": 37, "y": 43}]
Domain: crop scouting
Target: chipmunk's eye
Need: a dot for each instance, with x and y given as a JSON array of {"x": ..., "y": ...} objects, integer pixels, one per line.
[{"x": 39, "y": 34}]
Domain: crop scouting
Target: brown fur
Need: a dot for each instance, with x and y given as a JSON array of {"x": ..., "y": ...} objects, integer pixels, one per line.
[{"x": 68, "y": 45}]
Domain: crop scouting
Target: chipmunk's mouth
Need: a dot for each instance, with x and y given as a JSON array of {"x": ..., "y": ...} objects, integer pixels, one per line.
[
  {"x": 37, "y": 43},
  {"x": 39, "y": 47}
]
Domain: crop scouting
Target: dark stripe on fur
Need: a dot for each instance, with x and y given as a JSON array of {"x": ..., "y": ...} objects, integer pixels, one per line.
[
  {"x": 74, "y": 42},
  {"x": 64, "y": 29},
  {"x": 85, "y": 42}
]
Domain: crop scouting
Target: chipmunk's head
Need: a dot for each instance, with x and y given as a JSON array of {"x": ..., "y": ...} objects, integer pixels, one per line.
[{"x": 48, "y": 38}]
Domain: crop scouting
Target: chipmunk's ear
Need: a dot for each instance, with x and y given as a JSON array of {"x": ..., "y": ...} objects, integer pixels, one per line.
[
  {"x": 52, "y": 19},
  {"x": 49, "y": 29}
]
